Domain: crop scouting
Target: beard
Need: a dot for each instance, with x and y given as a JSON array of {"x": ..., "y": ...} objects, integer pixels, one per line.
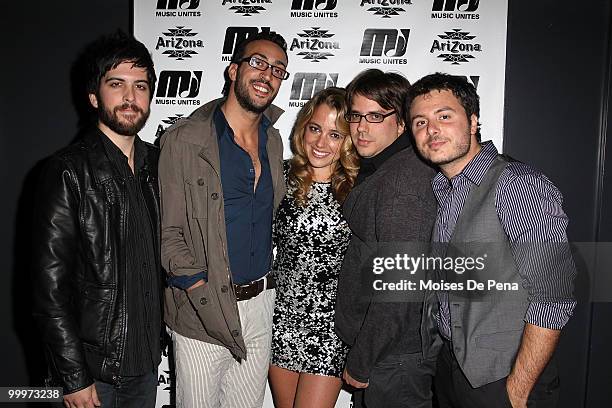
[
  {"x": 124, "y": 127},
  {"x": 244, "y": 99},
  {"x": 459, "y": 150}
]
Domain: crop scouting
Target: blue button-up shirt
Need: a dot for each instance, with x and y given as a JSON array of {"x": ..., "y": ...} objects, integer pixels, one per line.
[{"x": 248, "y": 210}]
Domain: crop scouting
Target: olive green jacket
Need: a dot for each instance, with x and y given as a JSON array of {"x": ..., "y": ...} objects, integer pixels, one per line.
[{"x": 193, "y": 237}]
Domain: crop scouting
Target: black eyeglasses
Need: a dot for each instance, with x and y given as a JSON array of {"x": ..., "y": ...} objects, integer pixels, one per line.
[
  {"x": 353, "y": 117},
  {"x": 262, "y": 65}
]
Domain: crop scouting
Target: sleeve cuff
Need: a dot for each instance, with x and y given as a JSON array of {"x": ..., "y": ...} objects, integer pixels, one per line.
[
  {"x": 550, "y": 315},
  {"x": 185, "y": 282},
  {"x": 355, "y": 373}
]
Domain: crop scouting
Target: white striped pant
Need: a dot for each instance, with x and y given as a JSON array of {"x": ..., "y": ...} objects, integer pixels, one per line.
[{"x": 208, "y": 376}]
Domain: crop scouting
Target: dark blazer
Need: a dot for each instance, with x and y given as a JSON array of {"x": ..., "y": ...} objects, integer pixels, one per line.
[
  {"x": 78, "y": 274},
  {"x": 395, "y": 204}
]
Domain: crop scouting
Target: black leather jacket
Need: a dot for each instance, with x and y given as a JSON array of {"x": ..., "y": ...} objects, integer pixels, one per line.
[{"x": 79, "y": 277}]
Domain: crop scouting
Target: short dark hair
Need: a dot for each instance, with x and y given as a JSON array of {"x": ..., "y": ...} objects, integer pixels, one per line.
[
  {"x": 108, "y": 51},
  {"x": 238, "y": 53},
  {"x": 459, "y": 86},
  {"x": 388, "y": 89}
]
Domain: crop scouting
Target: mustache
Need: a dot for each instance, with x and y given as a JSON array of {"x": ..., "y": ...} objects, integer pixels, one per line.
[
  {"x": 127, "y": 105},
  {"x": 435, "y": 139},
  {"x": 263, "y": 81},
  {"x": 363, "y": 135}
]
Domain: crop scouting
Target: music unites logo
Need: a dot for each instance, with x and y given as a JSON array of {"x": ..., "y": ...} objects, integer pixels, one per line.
[
  {"x": 177, "y": 8},
  {"x": 178, "y": 88},
  {"x": 385, "y": 8},
  {"x": 306, "y": 84},
  {"x": 235, "y": 35},
  {"x": 384, "y": 46},
  {"x": 313, "y": 8},
  {"x": 457, "y": 9},
  {"x": 179, "y": 43},
  {"x": 246, "y": 7},
  {"x": 314, "y": 45},
  {"x": 455, "y": 46}
]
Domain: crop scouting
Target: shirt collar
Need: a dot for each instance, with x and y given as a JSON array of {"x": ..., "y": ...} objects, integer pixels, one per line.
[
  {"x": 222, "y": 126},
  {"x": 478, "y": 166},
  {"x": 117, "y": 156},
  {"x": 474, "y": 171},
  {"x": 398, "y": 145}
]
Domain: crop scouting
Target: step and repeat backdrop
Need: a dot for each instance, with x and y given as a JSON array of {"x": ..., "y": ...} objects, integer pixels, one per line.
[{"x": 329, "y": 42}]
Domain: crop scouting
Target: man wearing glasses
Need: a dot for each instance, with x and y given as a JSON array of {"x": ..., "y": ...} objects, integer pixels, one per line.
[
  {"x": 221, "y": 178},
  {"x": 392, "y": 202}
]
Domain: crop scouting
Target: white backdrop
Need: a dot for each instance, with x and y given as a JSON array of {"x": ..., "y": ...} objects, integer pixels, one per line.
[{"x": 329, "y": 42}]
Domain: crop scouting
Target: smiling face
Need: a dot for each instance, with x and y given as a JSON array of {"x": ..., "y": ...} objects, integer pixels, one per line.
[
  {"x": 123, "y": 100},
  {"x": 255, "y": 90},
  {"x": 443, "y": 133},
  {"x": 322, "y": 142},
  {"x": 372, "y": 138}
]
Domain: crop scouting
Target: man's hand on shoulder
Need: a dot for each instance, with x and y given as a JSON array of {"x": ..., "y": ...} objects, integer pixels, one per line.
[
  {"x": 351, "y": 381},
  {"x": 85, "y": 398}
]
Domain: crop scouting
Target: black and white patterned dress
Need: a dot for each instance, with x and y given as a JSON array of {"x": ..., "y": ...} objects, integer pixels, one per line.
[{"x": 310, "y": 243}]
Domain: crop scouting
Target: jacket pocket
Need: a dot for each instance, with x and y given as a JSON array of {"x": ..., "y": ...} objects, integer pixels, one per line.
[
  {"x": 94, "y": 305},
  {"x": 198, "y": 193},
  {"x": 208, "y": 310},
  {"x": 197, "y": 208},
  {"x": 95, "y": 218},
  {"x": 501, "y": 341}
]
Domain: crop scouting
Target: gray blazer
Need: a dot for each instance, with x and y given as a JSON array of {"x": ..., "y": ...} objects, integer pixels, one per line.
[{"x": 395, "y": 204}]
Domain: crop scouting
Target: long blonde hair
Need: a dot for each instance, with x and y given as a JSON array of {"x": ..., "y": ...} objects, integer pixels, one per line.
[{"x": 345, "y": 169}]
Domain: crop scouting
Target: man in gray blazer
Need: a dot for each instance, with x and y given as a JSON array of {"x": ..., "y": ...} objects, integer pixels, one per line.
[
  {"x": 499, "y": 339},
  {"x": 391, "y": 202}
]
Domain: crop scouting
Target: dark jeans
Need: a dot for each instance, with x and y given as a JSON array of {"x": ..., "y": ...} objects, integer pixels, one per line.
[
  {"x": 453, "y": 389},
  {"x": 398, "y": 381},
  {"x": 130, "y": 392}
]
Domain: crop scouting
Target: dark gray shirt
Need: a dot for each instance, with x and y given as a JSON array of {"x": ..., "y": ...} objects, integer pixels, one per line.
[{"x": 142, "y": 344}]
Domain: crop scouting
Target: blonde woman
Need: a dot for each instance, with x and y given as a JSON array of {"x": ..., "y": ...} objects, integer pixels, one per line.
[{"x": 311, "y": 237}]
